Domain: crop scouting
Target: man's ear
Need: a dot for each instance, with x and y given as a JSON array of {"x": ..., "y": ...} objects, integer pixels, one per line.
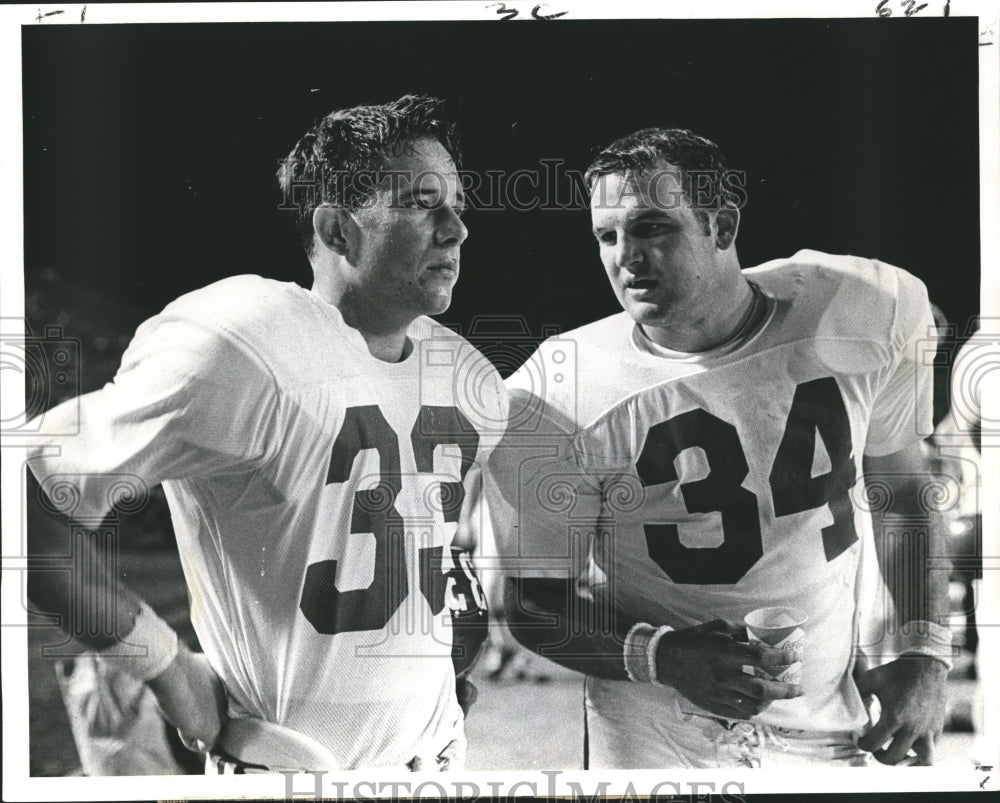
[
  {"x": 727, "y": 224},
  {"x": 332, "y": 227}
]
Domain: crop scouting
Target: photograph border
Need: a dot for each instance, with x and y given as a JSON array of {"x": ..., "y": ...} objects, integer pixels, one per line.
[{"x": 18, "y": 785}]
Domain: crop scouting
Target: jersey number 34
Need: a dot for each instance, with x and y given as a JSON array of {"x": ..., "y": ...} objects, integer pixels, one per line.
[{"x": 817, "y": 407}]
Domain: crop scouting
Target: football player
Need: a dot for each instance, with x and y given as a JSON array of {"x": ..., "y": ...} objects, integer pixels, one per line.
[
  {"x": 699, "y": 456},
  {"x": 315, "y": 447}
]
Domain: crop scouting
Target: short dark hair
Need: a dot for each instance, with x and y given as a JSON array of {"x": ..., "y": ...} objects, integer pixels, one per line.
[
  {"x": 645, "y": 149},
  {"x": 345, "y": 142}
]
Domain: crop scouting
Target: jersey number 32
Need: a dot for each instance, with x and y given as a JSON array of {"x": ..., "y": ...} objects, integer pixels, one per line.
[{"x": 333, "y": 611}]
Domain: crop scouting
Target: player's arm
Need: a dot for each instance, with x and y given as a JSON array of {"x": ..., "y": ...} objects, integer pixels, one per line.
[
  {"x": 107, "y": 617},
  {"x": 467, "y": 534},
  {"x": 911, "y": 689},
  {"x": 704, "y": 663},
  {"x": 184, "y": 403}
]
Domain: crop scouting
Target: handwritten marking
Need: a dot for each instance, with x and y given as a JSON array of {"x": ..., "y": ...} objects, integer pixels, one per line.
[
  {"x": 506, "y": 13},
  {"x": 83, "y": 14},
  {"x": 910, "y": 8},
  {"x": 983, "y": 784},
  {"x": 510, "y": 12},
  {"x": 42, "y": 16},
  {"x": 535, "y": 13}
]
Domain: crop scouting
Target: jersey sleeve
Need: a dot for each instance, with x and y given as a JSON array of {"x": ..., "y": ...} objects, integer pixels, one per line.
[
  {"x": 543, "y": 505},
  {"x": 902, "y": 411},
  {"x": 185, "y": 402}
]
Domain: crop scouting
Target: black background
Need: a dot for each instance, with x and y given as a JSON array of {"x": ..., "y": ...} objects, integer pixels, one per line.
[{"x": 150, "y": 150}]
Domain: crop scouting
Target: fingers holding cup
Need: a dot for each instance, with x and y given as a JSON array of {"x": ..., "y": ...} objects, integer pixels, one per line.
[{"x": 781, "y": 628}]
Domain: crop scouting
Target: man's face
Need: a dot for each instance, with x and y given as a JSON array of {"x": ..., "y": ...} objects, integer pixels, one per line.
[
  {"x": 409, "y": 234},
  {"x": 660, "y": 257}
]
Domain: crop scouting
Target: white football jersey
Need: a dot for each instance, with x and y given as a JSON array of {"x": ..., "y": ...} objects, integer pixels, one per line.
[
  {"x": 314, "y": 491},
  {"x": 679, "y": 488}
]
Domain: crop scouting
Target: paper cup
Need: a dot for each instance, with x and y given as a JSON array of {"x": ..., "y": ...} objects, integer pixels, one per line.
[
  {"x": 780, "y": 628},
  {"x": 790, "y": 673}
]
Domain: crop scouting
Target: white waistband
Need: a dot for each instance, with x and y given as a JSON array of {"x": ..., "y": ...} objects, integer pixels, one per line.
[{"x": 249, "y": 745}]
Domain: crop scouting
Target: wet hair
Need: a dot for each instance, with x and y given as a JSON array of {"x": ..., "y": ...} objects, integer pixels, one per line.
[
  {"x": 699, "y": 159},
  {"x": 326, "y": 164}
]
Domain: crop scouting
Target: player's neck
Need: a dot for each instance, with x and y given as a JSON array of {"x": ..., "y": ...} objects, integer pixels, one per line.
[
  {"x": 388, "y": 348},
  {"x": 716, "y": 324},
  {"x": 385, "y": 335},
  {"x": 387, "y": 340}
]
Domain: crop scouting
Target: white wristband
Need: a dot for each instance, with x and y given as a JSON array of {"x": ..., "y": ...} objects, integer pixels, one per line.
[
  {"x": 921, "y": 637},
  {"x": 148, "y": 648},
  {"x": 640, "y": 652}
]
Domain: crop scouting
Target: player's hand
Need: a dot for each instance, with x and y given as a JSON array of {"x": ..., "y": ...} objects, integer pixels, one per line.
[
  {"x": 705, "y": 664},
  {"x": 911, "y": 693},
  {"x": 192, "y": 698}
]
